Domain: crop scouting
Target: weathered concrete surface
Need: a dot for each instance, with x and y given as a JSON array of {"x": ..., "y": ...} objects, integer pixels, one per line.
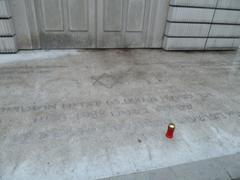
[
  {"x": 222, "y": 168},
  {"x": 98, "y": 114}
]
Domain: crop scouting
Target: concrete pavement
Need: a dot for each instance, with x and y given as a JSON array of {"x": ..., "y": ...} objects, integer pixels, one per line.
[{"x": 99, "y": 114}]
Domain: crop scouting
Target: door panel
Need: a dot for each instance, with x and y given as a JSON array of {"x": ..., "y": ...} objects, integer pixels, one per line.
[
  {"x": 135, "y": 19},
  {"x": 78, "y": 15},
  {"x": 52, "y": 12},
  {"x": 66, "y": 23},
  {"x": 113, "y": 15}
]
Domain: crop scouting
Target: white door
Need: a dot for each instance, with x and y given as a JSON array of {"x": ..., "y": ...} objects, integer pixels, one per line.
[
  {"x": 101, "y": 23},
  {"x": 66, "y": 23},
  {"x": 122, "y": 23}
]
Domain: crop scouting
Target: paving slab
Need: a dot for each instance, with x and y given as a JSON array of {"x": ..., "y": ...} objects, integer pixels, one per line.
[
  {"x": 208, "y": 169},
  {"x": 95, "y": 114}
]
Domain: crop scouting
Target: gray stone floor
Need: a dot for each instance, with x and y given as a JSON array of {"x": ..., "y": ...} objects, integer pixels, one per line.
[
  {"x": 72, "y": 115},
  {"x": 222, "y": 168}
]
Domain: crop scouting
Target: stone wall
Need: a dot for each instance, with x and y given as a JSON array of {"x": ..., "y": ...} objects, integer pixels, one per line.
[
  {"x": 203, "y": 25},
  {"x": 7, "y": 33}
]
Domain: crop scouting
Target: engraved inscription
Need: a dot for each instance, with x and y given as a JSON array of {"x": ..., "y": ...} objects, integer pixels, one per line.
[{"x": 181, "y": 98}]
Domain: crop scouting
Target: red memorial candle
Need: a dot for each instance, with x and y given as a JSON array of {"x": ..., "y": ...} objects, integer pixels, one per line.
[{"x": 170, "y": 131}]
